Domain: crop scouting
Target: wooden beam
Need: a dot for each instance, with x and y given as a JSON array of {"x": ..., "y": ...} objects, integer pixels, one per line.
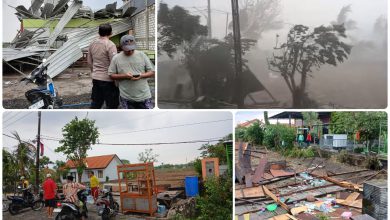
[{"x": 276, "y": 199}]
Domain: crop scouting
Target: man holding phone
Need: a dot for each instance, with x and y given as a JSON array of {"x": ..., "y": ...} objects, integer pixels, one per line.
[{"x": 131, "y": 68}]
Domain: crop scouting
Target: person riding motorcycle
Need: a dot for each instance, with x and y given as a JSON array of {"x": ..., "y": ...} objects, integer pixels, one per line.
[{"x": 70, "y": 190}]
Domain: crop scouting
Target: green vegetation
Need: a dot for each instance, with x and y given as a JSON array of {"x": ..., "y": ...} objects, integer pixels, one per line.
[
  {"x": 279, "y": 136},
  {"x": 297, "y": 152},
  {"x": 78, "y": 137},
  {"x": 147, "y": 156},
  {"x": 217, "y": 200}
]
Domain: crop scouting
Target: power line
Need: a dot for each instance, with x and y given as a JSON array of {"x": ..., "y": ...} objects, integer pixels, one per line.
[
  {"x": 156, "y": 143},
  {"x": 12, "y": 116},
  {"x": 151, "y": 129},
  {"x": 18, "y": 119},
  {"x": 174, "y": 126}
]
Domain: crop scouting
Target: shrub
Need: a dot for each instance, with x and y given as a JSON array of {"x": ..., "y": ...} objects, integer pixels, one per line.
[
  {"x": 343, "y": 156},
  {"x": 276, "y": 136},
  {"x": 198, "y": 166},
  {"x": 254, "y": 134},
  {"x": 373, "y": 163},
  {"x": 240, "y": 134},
  {"x": 297, "y": 152},
  {"x": 217, "y": 201}
]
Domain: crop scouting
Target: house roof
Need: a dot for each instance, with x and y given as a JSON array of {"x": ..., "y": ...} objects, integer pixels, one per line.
[
  {"x": 296, "y": 115},
  {"x": 248, "y": 123},
  {"x": 97, "y": 162}
]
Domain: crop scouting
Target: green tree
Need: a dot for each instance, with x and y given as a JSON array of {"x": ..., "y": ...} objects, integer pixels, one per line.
[
  {"x": 10, "y": 168},
  {"x": 148, "y": 156},
  {"x": 255, "y": 133},
  {"x": 24, "y": 155},
  {"x": 78, "y": 138},
  {"x": 217, "y": 201},
  {"x": 44, "y": 161},
  {"x": 240, "y": 133},
  {"x": 304, "y": 51},
  {"x": 279, "y": 136},
  {"x": 311, "y": 120},
  {"x": 369, "y": 124},
  {"x": 175, "y": 27},
  {"x": 60, "y": 169},
  {"x": 124, "y": 161}
]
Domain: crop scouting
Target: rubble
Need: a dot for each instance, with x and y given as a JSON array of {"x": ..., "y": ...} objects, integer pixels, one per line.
[
  {"x": 184, "y": 207},
  {"x": 280, "y": 192}
]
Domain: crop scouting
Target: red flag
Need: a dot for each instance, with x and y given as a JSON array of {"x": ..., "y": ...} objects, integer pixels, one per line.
[
  {"x": 42, "y": 148},
  {"x": 308, "y": 138},
  {"x": 358, "y": 135}
]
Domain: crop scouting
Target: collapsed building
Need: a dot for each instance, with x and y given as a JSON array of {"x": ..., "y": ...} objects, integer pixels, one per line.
[
  {"x": 274, "y": 189},
  {"x": 61, "y": 30}
]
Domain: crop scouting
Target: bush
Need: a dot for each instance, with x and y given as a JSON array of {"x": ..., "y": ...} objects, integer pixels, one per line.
[
  {"x": 343, "y": 157},
  {"x": 240, "y": 134},
  {"x": 198, "y": 166},
  {"x": 254, "y": 134},
  {"x": 359, "y": 150},
  {"x": 373, "y": 163},
  {"x": 297, "y": 152},
  {"x": 277, "y": 136},
  {"x": 217, "y": 201}
]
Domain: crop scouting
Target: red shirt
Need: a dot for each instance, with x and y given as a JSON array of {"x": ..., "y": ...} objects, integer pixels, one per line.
[{"x": 49, "y": 189}]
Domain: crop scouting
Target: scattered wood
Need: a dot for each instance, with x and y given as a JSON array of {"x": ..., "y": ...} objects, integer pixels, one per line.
[
  {"x": 276, "y": 199},
  {"x": 251, "y": 192},
  {"x": 283, "y": 217}
]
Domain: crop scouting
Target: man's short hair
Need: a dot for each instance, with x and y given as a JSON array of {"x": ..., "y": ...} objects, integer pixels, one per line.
[
  {"x": 92, "y": 173},
  {"x": 105, "y": 30},
  {"x": 69, "y": 178}
]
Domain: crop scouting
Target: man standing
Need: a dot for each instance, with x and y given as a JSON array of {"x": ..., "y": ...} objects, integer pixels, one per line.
[
  {"x": 49, "y": 194},
  {"x": 132, "y": 68},
  {"x": 94, "y": 183},
  {"x": 100, "y": 54}
]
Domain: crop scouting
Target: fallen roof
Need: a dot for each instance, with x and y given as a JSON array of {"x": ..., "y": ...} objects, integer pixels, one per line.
[{"x": 13, "y": 54}]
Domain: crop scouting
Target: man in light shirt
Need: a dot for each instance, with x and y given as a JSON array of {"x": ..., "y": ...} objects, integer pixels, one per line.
[
  {"x": 132, "y": 68},
  {"x": 100, "y": 53}
]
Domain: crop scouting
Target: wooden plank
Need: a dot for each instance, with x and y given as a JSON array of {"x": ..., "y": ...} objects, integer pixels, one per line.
[
  {"x": 351, "y": 198},
  {"x": 300, "y": 209},
  {"x": 251, "y": 192},
  {"x": 345, "y": 184},
  {"x": 270, "y": 194},
  {"x": 283, "y": 217},
  {"x": 355, "y": 204}
]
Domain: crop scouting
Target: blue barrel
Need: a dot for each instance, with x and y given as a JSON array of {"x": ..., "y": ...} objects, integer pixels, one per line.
[{"x": 191, "y": 185}]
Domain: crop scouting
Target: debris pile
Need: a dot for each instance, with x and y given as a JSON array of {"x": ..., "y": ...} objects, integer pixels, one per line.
[{"x": 273, "y": 190}]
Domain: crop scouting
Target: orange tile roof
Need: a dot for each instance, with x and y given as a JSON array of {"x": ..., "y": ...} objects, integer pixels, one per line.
[
  {"x": 248, "y": 123},
  {"x": 97, "y": 162}
]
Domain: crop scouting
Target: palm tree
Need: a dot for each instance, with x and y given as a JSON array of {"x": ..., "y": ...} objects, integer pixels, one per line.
[{"x": 24, "y": 155}]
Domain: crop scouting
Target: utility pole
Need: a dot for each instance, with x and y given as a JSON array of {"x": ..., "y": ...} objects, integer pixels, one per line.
[
  {"x": 227, "y": 23},
  {"x": 209, "y": 19},
  {"x": 239, "y": 99},
  {"x": 38, "y": 148}
]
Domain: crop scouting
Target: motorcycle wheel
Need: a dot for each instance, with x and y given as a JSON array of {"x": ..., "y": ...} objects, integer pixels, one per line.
[
  {"x": 106, "y": 214},
  {"x": 5, "y": 206},
  {"x": 116, "y": 207},
  {"x": 38, "y": 205},
  {"x": 13, "y": 209},
  {"x": 65, "y": 216}
]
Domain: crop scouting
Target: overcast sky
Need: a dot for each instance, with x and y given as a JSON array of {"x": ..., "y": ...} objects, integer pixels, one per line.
[
  {"x": 308, "y": 12},
  {"x": 244, "y": 116},
  {"x": 115, "y": 121}
]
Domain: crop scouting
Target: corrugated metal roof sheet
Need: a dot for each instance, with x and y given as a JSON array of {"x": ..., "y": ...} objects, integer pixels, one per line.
[
  {"x": 13, "y": 54},
  {"x": 71, "y": 51}
]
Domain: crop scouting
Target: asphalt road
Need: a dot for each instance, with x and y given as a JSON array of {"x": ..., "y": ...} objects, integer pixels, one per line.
[{"x": 29, "y": 214}]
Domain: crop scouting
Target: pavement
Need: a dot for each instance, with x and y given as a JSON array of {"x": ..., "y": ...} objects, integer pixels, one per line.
[{"x": 29, "y": 214}]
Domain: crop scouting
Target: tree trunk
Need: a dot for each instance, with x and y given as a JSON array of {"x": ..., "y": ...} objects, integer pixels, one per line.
[{"x": 79, "y": 175}]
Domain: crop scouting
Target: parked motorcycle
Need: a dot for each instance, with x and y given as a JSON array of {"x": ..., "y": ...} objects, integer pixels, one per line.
[
  {"x": 45, "y": 96},
  {"x": 107, "y": 206},
  {"x": 71, "y": 211},
  {"x": 27, "y": 200}
]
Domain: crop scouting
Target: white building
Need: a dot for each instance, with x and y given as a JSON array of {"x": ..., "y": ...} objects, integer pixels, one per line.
[{"x": 104, "y": 167}]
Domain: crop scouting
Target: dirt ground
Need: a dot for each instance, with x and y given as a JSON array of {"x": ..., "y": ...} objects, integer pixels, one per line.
[
  {"x": 74, "y": 86},
  {"x": 175, "y": 177}
]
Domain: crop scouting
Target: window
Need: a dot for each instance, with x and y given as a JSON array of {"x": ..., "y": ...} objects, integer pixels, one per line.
[{"x": 100, "y": 174}]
